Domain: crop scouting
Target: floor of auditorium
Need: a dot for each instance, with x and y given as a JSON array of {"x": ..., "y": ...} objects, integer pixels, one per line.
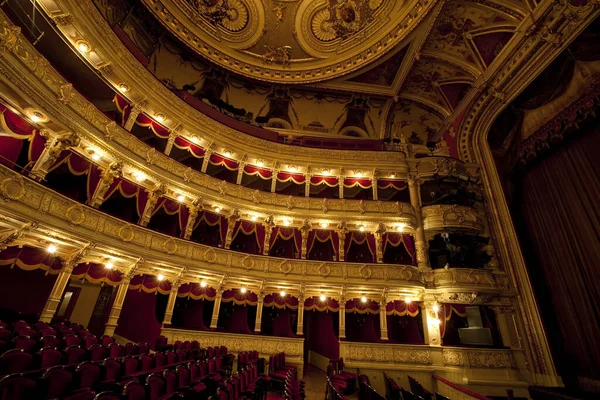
[{"x": 315, "y": 381}]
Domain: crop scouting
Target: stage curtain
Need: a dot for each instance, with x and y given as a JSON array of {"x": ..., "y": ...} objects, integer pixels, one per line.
[
  {"x": 356, "y": 306},
  {"x": 363, "y": 327},
  {"x": 123, "y": 107},
  {"x": 315, "y": 303},
  {"x": 249, "y": 230},
  {"x": 196, "y": 292},
  {"x": 320, "y": 332},
  {"x": 24, "y": 291},
  {"x": 261, "y": 172},
  {"x": 220, "y": 161},
  {"x": 275, "y": 300},
  {"x": 30, "y": 258},
  {"x": 359, "y": 238},
  {"x": 559, "y": 208},
  {"x": 138, "y": 321},
  {"x": 401, "y": 308},
  {"x": 145, "y": 121},
  {"x": 362, "y": 183},
  {"x": 391, "y": 184},
  {"x": 405, "y": 329},
  {"x": 149, "y": 284},
  {"x": 298, "y": 179},
  {"x": 396, "y": 239},
  {"x": 325, "y": 180},
  {"x": 445, "y": 314},
  {"x": 184, "y": 144},
  {"x": 237, "y": 297},
  {"x": 324, "y": 236},
  {"x": 97, "y": 273}
]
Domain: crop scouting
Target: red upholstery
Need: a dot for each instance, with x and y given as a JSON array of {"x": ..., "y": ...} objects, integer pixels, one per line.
[
  {"x": 146, "y": 362},
  {"x": 112, "y": 369},
  {"x": 24, "y": 342},
  {"x": 170, "y": 381},
  {"x": 75, "y": 355},
  {"x": 156, "y": 386},
  {"x": 89, "y": 340},
  {"x": 49, "y": 358},
  {"x": 105, "y": 340},
  {"x": 57, "y": 382},
  {"x": 17, "y": 387},
  {"x": 14, "y": 361},
  {"x": 97, "y": 352},
  {"x": 51, "y": 341},
  {"x": 134, "y": 390},
  {"x": 130, "y": 365},
  {"x": 115, "y": 350},
  {"x": 88, "y": 375},
  {"x": 71, "y": 340}
]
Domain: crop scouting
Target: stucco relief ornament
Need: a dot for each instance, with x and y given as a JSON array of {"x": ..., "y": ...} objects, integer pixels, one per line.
[
  {"x": 279, "y": 55},
  {"x": 230, "y": 14}
]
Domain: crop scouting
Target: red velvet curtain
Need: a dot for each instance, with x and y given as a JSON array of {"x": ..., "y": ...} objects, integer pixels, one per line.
[
  {"x": 147, "y": 122},
  {"x": 285, "y": 242},
  {"x": 322, "y": 245},
  {"x": 97, "y": 273},
  {"x": 355, "y": 242},
  {"x": 123, "y": 107},
  {"x": 395, "y": 240},
  {"x": 298, "y": 179},
  {"x": 25, "y": 291},
  {"x": 320, "y": 332},
  {"x": 149, "y": 284},
  {"x": 250, "y": 235},
  {"x": 30, "y": 258},
  {"x": 184, "y": 144},
  {"x": 138, "y": 322},
  {"x": 560, "y": 236}
]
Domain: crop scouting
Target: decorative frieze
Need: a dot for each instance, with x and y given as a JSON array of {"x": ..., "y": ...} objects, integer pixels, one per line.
[{"x": 354, "y": 352}]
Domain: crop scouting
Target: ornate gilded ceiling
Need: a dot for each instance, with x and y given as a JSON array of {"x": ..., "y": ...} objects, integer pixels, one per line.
[
  {"x": 418, "y": 58},
  {"x": 291, "y": 41}
]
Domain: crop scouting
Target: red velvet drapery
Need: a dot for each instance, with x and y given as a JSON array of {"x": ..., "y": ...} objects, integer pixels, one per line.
[
  {"x": 97, "y": 273},
  {"x": 150, "y": 284}
]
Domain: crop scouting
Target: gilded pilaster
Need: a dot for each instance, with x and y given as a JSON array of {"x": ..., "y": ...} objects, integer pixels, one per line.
[
  {"x": 153, "y": 197},
  {"x": 269, "y": 225},
  {"x": 136, "y": 110},
  {"x": 259, "y": 311},
  {"x": 420, "y": 243},
  {"x": 171, "y": 303},
  {"x": 342, "y": 315},
  {"x": 231, "y": 220},
  {"x": 431, "y": 323},
  {"x": 115, "y": 311},
  {"x": 383, "y": 319},
  {"x": 53, "y": 147},
  {"x": 300, "y": 324},
  {"x": 194, "y": 210},
  {"x": 304, "y": 232},
  {"x": 107, "y": 177},
  {"x": 379, "y": 242},
  {"x": 215, "y": 315},
  {"x": 342, "y": 230}
]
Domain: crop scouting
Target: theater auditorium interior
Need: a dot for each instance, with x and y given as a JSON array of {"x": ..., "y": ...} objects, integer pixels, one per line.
[{"x": 299, "y": 199}]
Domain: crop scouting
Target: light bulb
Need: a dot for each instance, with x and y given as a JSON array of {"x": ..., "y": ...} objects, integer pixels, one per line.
[
  {"x": 109, "y": 265},
  {"x": 35, "y": 117},
  {"x": 436, "y": 308},
  {"x": 324, "y": 224},
  {"x": 400, "y": 227},
  {"x": 260, "y": 163},
  {"x": 195, "y": 139},
  {"x": 160, "y": 117},
  {"x": 52, "y": 249},
  {"x": 227, "y": 154},
  {"x": 361, "y": 228},
  {"x": 254, "y": 218},
  {"x": 392, "y": 175},
  {"x": 161, "y": 277},
  {"x": 243, "y": 290},
  {"x": 287, "y": 222},
  {"x": 282, "y": 293},
  {"x": 96, "y": 157},
  {"x": 83, "y": 47},
  {"x": 363, "y": 299},
  {"x": 292, "y": 168},
  {"x": 203, "y": 284},
  {"x": 139, "y": 176},
  {"x": 217, "y": 209},
  {"x": 123, "y": 88},
  {"x": 323, "y": 297},
  {"x": 408, "y": 300},
  {"x": 359, "y": 174},
  {"x": 325, "y": 172},
  {"x": 181, "y": 198}
]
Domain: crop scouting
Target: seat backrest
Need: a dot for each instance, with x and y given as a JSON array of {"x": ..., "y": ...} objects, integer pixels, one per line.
[
  {"x": 144, "y": 348},
  {"x": 170, "y": 381},
  {"x": 187, "y": 345},
  {"x": 211, "y": 366},
  {"x": 134, "y": 390},
  {"x": 171, "y": 357},
  {"x": 49, "y": 357},
  {"x": 97, "y": 352},
  {"x": 105, "y": 340},
  {"x": 107, "y": 396},
  {"x": 88, "y": 374},
  {"x": 50, "y": 341},
  {"x": 146, "y": 362},
  {"x": 47, "y": 332},
  {"x": 160, "y": 359},
  {"x": 17, "y": 387},
  {"x": 27, "y": 331},
  {"x": 57, "y": 382},
  {"x": 161, "y": 343},
  {"x": 178, "y": 345},
  {"x": 24, "y": 342},
  {"x": 15, "y": 361},
  {"x": 130, "y": 365},
  {"x": 90, "y": 340},
  {"x": 131, "y": 349},
  {"x": 5, "y": 334},
  {"x": 155, "y": 385},
  {"x": 111, "y": 369},
  {"x": 195, "y": 345},
  {"x": 71, "y": 340},
  {"x": 19, "y": 324},
  {"x": 203, "y": 366},
  {"x": 115, "y": 350},
  {"x": 75, "y": 355},
  {"x": 181, "y": 355},
  {"x": 183, "y": 376}
]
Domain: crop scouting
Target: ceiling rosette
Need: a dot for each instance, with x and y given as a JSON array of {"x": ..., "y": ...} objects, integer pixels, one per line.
[{"x": 291, "y": 41}]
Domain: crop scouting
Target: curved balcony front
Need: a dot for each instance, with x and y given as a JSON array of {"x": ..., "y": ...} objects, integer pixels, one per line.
[{"x": 444, "y": 217}]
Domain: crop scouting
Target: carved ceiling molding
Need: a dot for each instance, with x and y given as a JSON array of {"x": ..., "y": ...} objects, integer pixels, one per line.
[{"x": 357, "y": 32}]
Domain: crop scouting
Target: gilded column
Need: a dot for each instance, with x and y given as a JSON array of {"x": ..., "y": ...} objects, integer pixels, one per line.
[
  {"x": 205, "y": 160},
  {"x": 240, "y": 172},
  {"x": 231, "y": 220},
  {"x": 274, "y": 180},
  {"x": 379, "y": 242},
  {"x": 505, "y": 317},
  {"x": 431, "y": 323},
  {"x": 307, "y": 185},
  {"x": 135, "y": 111},
  {"x": 268, "y": 232},
  {"x": 341, "y": 186},
  {"x": 383, "y": 319},
  {"x": 341, "y": 231},
  {"x": 153, "y": 197},
  {"x": 62, "y": 281},
  {"x": 194, "y": 210},
  {"x": 304, "y": 231},
  {"x": 259, "y": 311},
  {"x": 117, "y": 306},
  {"x": 52, "y": 149},
  {"x": 215, "y": 315},
  {"x": 299, "y": 328},
  {"x": 173, "y": 133},
  {"x": 171, "y": 303},
  {"x": 107, "y": 177},
  {"x": 375, "y": 192},
  {"x": 342, "y": 318},
  {"x": 420, "y": 243}
]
